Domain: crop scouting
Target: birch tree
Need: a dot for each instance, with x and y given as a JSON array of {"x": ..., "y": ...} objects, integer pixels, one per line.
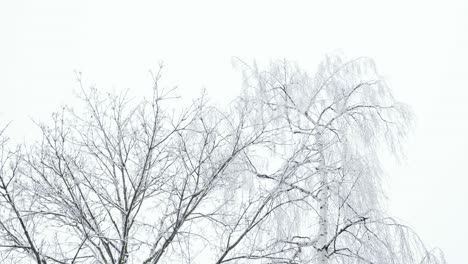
[{"x": 337, "y": 122}]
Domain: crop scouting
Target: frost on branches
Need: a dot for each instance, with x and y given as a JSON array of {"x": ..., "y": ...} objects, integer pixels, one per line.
[{"x": 287, "y": 173}]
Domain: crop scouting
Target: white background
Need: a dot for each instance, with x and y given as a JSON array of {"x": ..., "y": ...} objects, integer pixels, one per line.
[{"x": 421, "y": 47}]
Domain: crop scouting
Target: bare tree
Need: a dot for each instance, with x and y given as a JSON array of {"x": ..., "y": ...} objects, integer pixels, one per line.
[
  {"x": 17, "y": 227},
  {"x": 287, "y": 173}
]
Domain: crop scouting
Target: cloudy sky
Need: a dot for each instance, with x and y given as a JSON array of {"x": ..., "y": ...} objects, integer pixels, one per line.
[{"x": 420, "y": 47}]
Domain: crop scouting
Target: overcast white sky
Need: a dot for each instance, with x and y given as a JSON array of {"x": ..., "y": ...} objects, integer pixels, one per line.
[{"x": 421, "y": 47}]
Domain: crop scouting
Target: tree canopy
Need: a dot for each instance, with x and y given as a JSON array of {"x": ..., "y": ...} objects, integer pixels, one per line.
[{"x": 289, "y": 172}]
